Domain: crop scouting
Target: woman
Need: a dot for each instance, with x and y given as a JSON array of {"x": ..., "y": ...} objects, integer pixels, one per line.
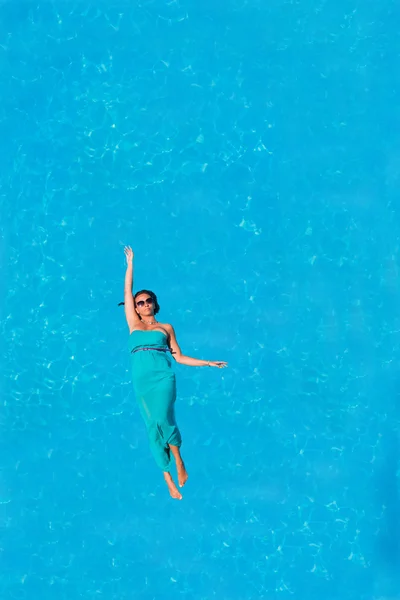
[{"x": 153, "y": 378}]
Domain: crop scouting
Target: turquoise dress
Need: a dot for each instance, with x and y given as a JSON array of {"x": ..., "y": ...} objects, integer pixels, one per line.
[{"x": 155, "y": 390}]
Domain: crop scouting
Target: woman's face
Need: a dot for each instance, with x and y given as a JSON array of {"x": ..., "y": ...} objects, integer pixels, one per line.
[{"x": 144, "y": 305}]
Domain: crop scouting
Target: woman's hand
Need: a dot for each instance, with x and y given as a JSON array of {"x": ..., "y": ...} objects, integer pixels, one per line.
[
  {"x": 217, "y": 363},
  {"x": 128, "y": 254}
]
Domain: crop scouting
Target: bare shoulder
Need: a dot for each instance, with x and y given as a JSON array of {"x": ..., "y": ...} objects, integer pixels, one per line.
[
  {"x": 169, "y": 329},
  {"x": 172, "y": 341}
]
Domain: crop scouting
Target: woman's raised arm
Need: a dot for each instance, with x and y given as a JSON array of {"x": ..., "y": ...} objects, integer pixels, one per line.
[{"x": 131, "y": 315}]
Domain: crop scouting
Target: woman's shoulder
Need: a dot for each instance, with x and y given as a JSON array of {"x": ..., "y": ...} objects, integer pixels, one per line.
[{"x": 167, "y": 326}]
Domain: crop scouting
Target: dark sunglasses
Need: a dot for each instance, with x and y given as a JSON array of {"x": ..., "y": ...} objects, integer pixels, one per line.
[{"x": 143, "y": 302}]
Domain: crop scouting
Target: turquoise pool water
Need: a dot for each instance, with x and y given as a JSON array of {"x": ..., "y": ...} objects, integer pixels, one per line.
[{"x": 248, "y": 151}]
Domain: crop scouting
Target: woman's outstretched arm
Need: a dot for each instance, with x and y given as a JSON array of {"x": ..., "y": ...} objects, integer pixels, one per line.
[
  {"x": 188, "y": 360},
  {"x": 131, "y": 315}
]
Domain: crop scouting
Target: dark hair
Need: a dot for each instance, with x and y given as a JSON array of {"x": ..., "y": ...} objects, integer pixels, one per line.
[{"x": 149, "y": 293}]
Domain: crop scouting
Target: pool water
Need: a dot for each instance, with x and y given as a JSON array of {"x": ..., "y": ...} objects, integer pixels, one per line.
[{"x": 248, "y": 152}]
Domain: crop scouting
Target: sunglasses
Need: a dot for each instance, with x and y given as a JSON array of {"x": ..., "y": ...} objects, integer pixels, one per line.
[{"x": 143, "y": 302}]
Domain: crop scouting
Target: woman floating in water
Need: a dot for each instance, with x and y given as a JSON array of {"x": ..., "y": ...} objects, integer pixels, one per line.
[{"x": 153, "y": 378}]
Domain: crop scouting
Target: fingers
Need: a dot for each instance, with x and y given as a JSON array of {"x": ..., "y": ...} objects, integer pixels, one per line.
[{"x": 128, "y": 251}]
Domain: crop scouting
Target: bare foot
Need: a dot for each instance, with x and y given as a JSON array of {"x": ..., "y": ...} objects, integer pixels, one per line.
[
  {"x": 173, "y": 490},
  {"x": 182, "y": 473}
]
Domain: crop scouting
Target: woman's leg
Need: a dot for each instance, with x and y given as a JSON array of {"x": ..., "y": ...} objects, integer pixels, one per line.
[
  {"x": 161, "y": 452},
  {"x": 173, "y": 490},
  {"x": 180, "y": 465},
  {"x": 164, "y": 434}
]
